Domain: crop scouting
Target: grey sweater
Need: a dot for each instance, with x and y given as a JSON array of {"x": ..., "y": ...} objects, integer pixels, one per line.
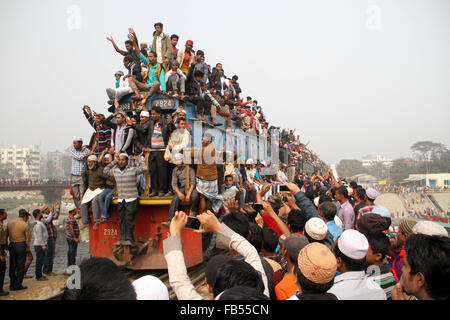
[{"x": 126, "y": 179}]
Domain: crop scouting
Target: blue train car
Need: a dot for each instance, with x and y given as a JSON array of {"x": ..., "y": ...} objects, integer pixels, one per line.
[{"x": 245, "y": 144}]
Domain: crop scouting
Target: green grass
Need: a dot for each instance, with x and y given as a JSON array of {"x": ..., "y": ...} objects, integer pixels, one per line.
[{"x": 10, "y": 204}]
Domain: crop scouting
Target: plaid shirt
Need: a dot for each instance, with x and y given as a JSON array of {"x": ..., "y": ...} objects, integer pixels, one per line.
[
  {"x": 363, "y": 211},
  {"x": 76, "y": 230},
  {"x": 51, "y": 229},
  {"x": 78, "y": 162},
  {"x": 103, "y": 133}
]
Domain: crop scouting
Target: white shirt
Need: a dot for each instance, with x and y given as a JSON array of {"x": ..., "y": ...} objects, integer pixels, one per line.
[
  {"x": 158, "y": 47},
  {"x": 123, "y": 83},
  {"x": 282, "y": 177},
  {"x": 355, "y": 285}
]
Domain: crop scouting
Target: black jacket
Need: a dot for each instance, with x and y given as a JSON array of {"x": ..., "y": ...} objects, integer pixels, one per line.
[
  {"x": 215, "y": 79},
  {"x": 114, "y": 126},
  {"x": 166, "y": 128},
  {"x": 192, "y": 86},
  {"x": 140, "y": 141}
]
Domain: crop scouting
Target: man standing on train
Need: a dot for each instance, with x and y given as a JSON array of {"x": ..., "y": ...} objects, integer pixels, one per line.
[
  {"x": 158, "y": 137},
  {"x": 127, "y": 191}
]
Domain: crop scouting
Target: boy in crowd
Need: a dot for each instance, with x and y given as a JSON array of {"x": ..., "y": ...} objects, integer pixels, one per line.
[{"x": 377, "y": 268}]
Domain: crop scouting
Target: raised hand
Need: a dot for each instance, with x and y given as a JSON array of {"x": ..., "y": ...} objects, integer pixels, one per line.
[
  {"x": 178, "y": 223},
  {"x": 110, "y": 39},
  {"x": 231, "y": 204},
  {"x": 209, "y": 222},
  {"x": 131, "y": 37}
]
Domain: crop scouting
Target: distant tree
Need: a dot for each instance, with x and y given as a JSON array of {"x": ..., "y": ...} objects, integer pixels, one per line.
[
  {"x": 348, "y": 168},
  {"x": 29, "y": 162},
  {"x": 401, "y": 170},
  {"x": 428, "y": 151},
  {"x": 6, "y": 170},
  {"x": 66, "y": 165}
]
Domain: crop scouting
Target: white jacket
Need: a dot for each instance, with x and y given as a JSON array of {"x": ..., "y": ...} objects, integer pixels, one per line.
[{"x": 40, "y": 234}]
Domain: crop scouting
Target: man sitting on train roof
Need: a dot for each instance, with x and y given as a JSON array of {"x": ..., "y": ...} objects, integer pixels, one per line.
[
  {"x": 183, "y": 184},
  {"x": 175, "y": 80},
  {"x": 201, "y": 66},
  {"x": 223, "y": 110},
  {"x": 153, "y": 81},
  {"x": 193, "y": 83},
  {"x": 122, "y": 85},
  {"x": 134, "y": 64},
  {"x": 186, "y": 57}
]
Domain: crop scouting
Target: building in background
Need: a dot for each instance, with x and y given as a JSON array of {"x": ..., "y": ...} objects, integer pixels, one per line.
[
  {"x": 369, "y": 161},
  {"x": 24, "y": 162},
  {"x": 52, "y": 165},
  {"x": 432, "y": 180}
]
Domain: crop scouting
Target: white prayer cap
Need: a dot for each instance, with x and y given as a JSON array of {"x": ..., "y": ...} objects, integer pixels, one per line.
[
  {"x": 124, "y": 155},
  {"x": 371, "y": 193},
  {"x": 316, "y": 228},
  {"x": 179, "y": 158},
  {"x": 150, "y": 288},
  {"x": 78, "y": 139},
  {"x": 92, "y": 158},
  {"x": 145, "y": 114},
  {"x": 353, "y": 244},
  {"x": 107, "y": 156},
  {"x": 249, "y": 161},
  {"x": 71, "y": 207},
  {"x": 349, "y": 191},
  {"x": 430, "y": 228},
  {"x": 316, "y": 201}
]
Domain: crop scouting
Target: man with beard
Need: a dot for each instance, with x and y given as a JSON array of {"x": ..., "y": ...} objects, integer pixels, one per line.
[
  {"x": 128, "y": 195},
  {"x": 79, "y": 154},
  {"x": 103, "y": 130},
  {"x": 123, "y": 133},
  {"x": 97, "y": 184},
  {"x": 141, "y": 130}
]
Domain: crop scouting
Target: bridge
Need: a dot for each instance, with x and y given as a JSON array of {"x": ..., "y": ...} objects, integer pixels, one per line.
[{"x": 52, "y": 192}]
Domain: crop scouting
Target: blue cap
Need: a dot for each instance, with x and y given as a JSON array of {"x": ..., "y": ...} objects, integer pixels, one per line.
[{"x": 382, "y": 211}]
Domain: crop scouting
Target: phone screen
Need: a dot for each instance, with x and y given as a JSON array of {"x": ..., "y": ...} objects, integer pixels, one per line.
[
  {"x": 192, "y": 223},
  {"x": 258, "y": 207},
  {"x": 284, "y": 188}
]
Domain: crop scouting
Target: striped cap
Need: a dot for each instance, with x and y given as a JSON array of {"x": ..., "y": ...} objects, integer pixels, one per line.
[
  {"x": 406, "y": 225},
  {"x": 430, "y": 228}
]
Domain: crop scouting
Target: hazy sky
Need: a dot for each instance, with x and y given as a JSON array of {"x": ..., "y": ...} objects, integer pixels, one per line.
[{"x": 354, "y": 77}]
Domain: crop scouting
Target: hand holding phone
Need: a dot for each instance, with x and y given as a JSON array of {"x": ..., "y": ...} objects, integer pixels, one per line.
[{"x": 192, "y": 223}]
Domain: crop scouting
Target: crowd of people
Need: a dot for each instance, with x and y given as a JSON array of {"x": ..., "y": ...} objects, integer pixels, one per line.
[
  {"x": 272, "y": 234},
  {"x": 296, "y": 246},
  {"x": 33, "y": 182},
  {"x": 19, "y": 236}
]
